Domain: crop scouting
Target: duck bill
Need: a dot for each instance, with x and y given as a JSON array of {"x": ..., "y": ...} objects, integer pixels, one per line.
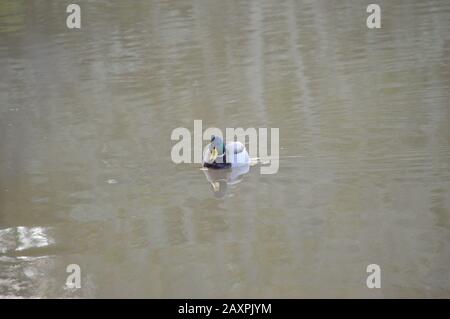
[{"x": 214, "y": 155}]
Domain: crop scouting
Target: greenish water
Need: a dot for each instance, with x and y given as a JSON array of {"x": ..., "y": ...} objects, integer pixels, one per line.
[{"x": 85, "y": 170}]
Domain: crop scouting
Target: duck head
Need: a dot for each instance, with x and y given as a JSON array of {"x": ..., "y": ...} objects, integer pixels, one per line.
[{"x": 216, "y": 148}]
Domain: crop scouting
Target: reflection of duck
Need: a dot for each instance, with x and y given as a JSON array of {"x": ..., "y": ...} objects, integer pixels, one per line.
[
  {"x": 221, "y": 179},
  {"x": 225, "y": 155}
]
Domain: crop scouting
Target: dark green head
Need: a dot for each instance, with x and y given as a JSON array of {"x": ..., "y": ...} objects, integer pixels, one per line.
[{"x": 217, "y": 144}]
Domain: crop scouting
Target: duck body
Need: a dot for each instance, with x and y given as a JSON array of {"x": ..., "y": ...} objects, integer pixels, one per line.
[{"x": 219, "y": 155}]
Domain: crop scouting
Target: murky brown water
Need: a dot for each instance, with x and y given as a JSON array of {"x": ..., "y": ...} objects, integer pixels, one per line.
[{"x": 86, "y": 175}]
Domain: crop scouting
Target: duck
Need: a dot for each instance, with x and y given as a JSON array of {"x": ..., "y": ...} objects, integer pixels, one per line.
[{"x": 219, "y": 155}]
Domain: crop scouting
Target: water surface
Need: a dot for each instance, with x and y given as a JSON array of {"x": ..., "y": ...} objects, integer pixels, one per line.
[{"x": 85, "y": 170}]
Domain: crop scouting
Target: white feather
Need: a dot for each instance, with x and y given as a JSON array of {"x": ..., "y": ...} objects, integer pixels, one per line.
[{"x": 236, "y": 154}]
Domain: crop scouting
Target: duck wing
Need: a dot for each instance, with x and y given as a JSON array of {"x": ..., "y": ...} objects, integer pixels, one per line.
[{"x": 235, "y": 147}]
